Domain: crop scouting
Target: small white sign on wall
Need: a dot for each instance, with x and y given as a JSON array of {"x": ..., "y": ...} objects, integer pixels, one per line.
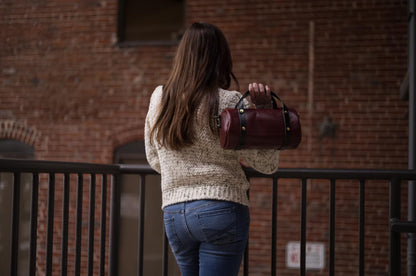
[{"x": 315, "y": 255}]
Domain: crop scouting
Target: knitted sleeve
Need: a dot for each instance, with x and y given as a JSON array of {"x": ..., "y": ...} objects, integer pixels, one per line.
[
  {"x": 150, "y": 146},
  {"x": 264, "y": 161}
]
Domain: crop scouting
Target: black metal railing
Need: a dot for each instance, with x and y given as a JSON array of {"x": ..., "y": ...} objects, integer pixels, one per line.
[
  {"x": 51, "y": 170},
  {"x": 395, "y": 177},
  {"x": 94, "y": 172}
]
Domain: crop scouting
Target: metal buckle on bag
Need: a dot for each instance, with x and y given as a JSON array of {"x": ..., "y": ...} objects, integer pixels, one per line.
[
  {"x": 243, "y": 128},
  {"x": 218, "y": 121}
]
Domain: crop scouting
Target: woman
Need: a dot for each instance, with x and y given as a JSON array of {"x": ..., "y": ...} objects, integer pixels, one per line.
[{"x": 204, "y": 188}]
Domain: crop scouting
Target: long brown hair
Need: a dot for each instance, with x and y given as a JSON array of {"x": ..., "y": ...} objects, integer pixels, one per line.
[{"x": 202, "y": 65}]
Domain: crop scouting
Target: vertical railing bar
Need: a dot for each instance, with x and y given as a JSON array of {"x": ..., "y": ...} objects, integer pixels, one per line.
[
  {"x": 91, "y": 225},
  {"x": 165, "y": 257},
  {"x": 65, "y": 209},
  {"x": 103, "y": 223},
  {"x": 274, "y": 227},
  {"x": 49, "y": 232},
  {"x": 246, "y": 251},
  {"x": 141, "y": 224},
  {"x": 78, "y": 226},
  {"x": 114, "y": 225},
  {"x": 395, "y": 247},
  {"x": 245, "y": 266},
  {"x": 362, "y": 228},
  {"x": 33, "y": 224},
  {"x": 331, "y": 227},
  {"x": 14, "y": 239},
  {"x": 303, "y": 228}
]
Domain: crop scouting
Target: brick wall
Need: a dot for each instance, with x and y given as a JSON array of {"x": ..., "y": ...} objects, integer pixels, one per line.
[{"x": 64, "y": 78}]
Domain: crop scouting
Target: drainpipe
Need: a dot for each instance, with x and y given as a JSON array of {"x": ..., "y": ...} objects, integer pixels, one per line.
[{"x": 411, "y": 242}]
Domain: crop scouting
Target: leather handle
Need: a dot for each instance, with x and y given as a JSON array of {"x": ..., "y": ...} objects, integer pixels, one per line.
[{"x": 240, "y": 104}]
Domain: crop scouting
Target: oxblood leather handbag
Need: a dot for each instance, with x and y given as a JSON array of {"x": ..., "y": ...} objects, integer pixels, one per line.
[{"x": 277, "y": 128}]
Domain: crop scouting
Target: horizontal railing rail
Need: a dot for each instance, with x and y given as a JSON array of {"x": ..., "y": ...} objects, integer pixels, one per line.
[
  {"x": 40, "y": 166},
  {"x": 355, "y": 174},
  {"x": 103, "y": 171}
]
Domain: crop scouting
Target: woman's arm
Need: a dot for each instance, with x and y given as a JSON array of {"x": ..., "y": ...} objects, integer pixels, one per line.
[{"x": 150, "y": 146}]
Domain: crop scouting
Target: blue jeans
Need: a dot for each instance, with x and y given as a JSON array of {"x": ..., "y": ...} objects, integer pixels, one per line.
[{"x": 207, "y": 237}]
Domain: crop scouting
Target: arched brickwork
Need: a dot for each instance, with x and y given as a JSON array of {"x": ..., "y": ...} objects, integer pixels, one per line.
[
  {"x": 127, "y": 134},
  {"x": 13, "y": 129}
]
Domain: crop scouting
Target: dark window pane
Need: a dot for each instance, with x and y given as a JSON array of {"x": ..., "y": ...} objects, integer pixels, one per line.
[
  {"x": 152, "y": 21},
  {"x": 15, "y": 149}
]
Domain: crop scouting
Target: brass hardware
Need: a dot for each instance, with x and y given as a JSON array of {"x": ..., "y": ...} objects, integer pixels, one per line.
[{"x": 243, "y": 128}]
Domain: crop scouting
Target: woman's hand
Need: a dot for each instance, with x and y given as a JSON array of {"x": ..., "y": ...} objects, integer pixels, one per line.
[{"x": 260, "y": 95}]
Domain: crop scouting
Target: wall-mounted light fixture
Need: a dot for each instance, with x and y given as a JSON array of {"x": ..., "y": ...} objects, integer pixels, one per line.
[{"x": 327, "y": 128}]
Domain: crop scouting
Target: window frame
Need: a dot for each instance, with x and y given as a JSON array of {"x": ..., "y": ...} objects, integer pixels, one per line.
[
  {"x": 121, "y": 29},
  {"x": 15, "y": 149},
  {"x": 134, "y": 152}
]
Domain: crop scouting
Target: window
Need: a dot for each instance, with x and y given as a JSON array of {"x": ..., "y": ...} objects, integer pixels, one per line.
[
  {"x": 150, "y": 22},
  {"x": 15, "y": 149},
  {"x": 134, "y": 153}
]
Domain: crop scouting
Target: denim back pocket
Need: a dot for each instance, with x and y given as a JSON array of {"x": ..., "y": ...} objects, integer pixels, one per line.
[
  {"x": 219, "y": 226},
  {"x": 170, "y": 229}
]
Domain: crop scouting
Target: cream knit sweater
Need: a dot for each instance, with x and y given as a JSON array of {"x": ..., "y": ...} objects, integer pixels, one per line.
[{"x": 204, "y": 170}]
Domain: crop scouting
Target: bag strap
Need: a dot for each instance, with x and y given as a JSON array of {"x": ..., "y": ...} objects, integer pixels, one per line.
[
  {"x": 243, "y": 128},
  {"x": 243, "y": 121}
]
